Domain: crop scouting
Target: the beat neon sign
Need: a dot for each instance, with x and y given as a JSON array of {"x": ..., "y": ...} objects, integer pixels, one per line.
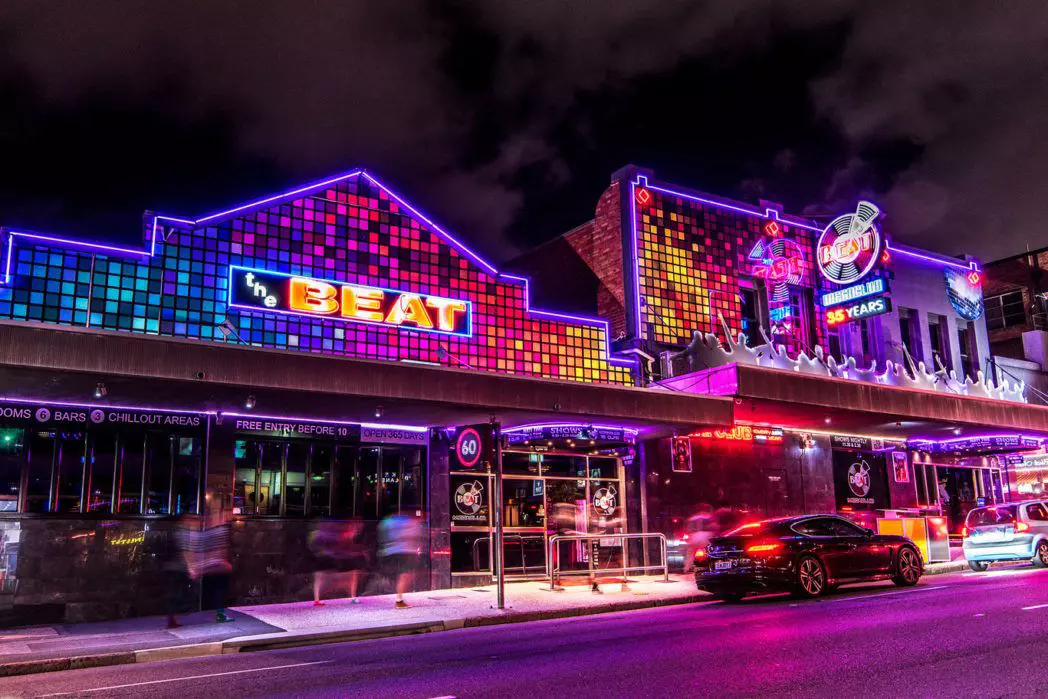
[
  {"x": 850, "y": 246},
  {"x": 286, "y": 293}
]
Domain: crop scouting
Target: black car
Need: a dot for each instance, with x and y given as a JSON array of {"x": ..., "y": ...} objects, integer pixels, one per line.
[{"x": 804, "y": 555}]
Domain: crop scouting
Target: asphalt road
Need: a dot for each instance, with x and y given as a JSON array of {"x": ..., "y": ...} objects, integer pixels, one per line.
[{"x": 968, "y": 635}]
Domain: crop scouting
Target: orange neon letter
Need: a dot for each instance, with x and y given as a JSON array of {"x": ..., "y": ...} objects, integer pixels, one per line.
[
  {"x": 362, "y": 303},
  {"x": 312, "y": 296},
  {"x": 446, "y": 310},
  {"x": 409, "y": 309}
]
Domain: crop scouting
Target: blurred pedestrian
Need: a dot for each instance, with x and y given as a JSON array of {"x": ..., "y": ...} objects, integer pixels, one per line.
[
  {"x": 210, "y": 561},
  {"x": 340, "y": 556},
  {"x": 176, "y": 568},
  {"x": 400, "y": 543}
]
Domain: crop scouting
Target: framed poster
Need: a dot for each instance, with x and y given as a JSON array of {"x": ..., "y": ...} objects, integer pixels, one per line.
[
  {"x": 681, "y": 454},
  {"x": 900, "y": 467}
]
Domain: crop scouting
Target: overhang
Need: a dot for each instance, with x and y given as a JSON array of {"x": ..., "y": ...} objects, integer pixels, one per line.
[{"x": 64, "y": 364}]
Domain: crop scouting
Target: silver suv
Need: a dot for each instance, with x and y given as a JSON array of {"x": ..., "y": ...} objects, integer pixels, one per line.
[{"x": 1013, "y": 532}]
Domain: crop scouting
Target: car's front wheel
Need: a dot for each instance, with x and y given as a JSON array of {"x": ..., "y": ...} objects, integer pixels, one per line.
[
  {"x": 907, "y": 568},
  {"x": 978, "y": 566},
  {"x": 811, "y": 577},
  {"x": 1040, "y": 556}
]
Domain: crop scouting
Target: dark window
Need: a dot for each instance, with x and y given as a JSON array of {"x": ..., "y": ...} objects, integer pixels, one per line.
[
  {"x": 42, "y": 453},
  {"x": 564, "y": 465},
  {"x": 131, "y": 468},
  {"x": 1005, "y": 310},
  {"x": 295, "y": 479},
  {"x": 100, "y": 473},
  {"x": 752, "y": 314},
  {"x": 366, "y": 505},
  {"x": 70, "y": 471},
  {"x": 940, "y": 343},
  {"x": 1037, "y": 512},
  {"x": 523, "y": 503},
  {"x": 813, "y": 527},
  {"x": 984, "y": 516},
  {"x": 910, "y": 333},
  {"x": 520, "y": 462},
  {"x": 840, "y": 527},
  {"x": 969, "y": 355},
  {"x": 320, "y": 481},
  {"x": 186, "y": 477},
  {"x": 158, "y": 473}
]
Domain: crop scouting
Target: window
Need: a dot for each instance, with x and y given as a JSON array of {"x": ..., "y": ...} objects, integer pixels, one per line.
[
  {"x": 753, "y": 313},
  {"x": 1005, "y": 310},
  {"x": 12, "y": 457},
  {"x": 841, "y": 527},
  {"x": 983, "y": 516},
  {"x": 910, "y": 334},
  {"x": 969, "y": 355},
  {"x": 1036, "y": 512},
  {"x": 813, "y": 527},
  {"x": 940, "y": 343}
]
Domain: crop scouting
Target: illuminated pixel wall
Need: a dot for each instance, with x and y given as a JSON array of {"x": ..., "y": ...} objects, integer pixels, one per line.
[
  {"x": 350, "y": 229},
  {"x": 690, "y": 254}
]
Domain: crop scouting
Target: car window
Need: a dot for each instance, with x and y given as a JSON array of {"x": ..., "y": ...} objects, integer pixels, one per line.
[
  {"x": 983, "y": 516},
  {"x": 813, "y": 527},
  {"x": 840, "y": 527},
  {"x": 1036, "y": 512}
]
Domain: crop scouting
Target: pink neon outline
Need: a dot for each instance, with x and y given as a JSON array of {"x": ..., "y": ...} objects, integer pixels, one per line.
[
  {"x": 933, "y": 259},
  {"x": 541, "y": 425},
  {"x": 323, "y": 183}
]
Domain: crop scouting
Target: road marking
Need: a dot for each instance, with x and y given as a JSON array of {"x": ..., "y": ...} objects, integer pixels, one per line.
[
  {"x": 182, "y": 679},
  {"x": 887, "y": 594},
  {"x": 1035, "y": 606},
  {"x": 980, "y": 614}
]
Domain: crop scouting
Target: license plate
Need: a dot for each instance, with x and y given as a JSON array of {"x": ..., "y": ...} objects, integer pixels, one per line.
[
  {"x": 723, "y": 565},
  {"x": 995, "y": 534}
]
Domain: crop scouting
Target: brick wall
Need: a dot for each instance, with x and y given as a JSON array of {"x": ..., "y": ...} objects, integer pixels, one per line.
[{"x": 599, "y": 244}]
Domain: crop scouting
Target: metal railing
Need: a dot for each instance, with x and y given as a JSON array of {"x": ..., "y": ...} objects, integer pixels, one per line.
[
  {"x": 516, "y": 539},
  {"x": 555, "y": 573}
]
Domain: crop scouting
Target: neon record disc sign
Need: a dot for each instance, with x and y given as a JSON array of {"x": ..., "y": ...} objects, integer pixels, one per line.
[{"x": 850, "y": 246}]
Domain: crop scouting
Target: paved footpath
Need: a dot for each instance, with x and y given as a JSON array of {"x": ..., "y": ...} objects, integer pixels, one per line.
[{"x": 145, "y": 639}]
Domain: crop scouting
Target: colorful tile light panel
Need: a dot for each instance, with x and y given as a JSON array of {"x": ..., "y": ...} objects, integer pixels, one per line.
[
  {"x": 691, "y": 257},
  {"x": 352, "y": 231}
]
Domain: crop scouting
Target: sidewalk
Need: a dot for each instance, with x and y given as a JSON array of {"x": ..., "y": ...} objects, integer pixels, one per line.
[{"x": 71, "y": 646}]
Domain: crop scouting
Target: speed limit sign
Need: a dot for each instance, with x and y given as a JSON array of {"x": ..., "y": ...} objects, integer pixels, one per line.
[{"x": 472, "y": 446}]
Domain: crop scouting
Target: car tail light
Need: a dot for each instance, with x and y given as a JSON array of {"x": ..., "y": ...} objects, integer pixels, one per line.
[
  {"x": 964, "y": 532},
  {"x": 1022, "y": 527},
  {"x": 765, "y": 549},
  {"x": 700, "y": 555}
]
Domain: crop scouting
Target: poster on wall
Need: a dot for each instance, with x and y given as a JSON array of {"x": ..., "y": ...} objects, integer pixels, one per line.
[
  {"x": 964, "y": 292},
  {"x": 860, "y": 481},
  {"x": 900, "y": 467},
  {"x": 682, "y": 455},
  {"x": 469, "y": 500}
]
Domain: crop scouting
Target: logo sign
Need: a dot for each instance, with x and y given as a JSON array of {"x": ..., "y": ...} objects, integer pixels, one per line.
[
  {"x": 287, "y": 428},
  {"x": 859, "y": 479},
  {"x": 605, "y": 500},
  {"x": 744, "y": 433},
  {"x": 850, "y": 246},
  {"x": 858, "y": 311},
  {"x": 838, "y": 441},
  {"x": 870, "y": 287},
  {"x": 472, "y": 447},
  {"x": 780, "y": 264},
  {"x": 965, "y": 297},
  {"x": 469, "y": 500},
  {"x": 285, "y": 293},
  {"x": 65, "y": 415},
  {"x": 900, "y": 468},
  {"x": 682, "y": 454}
]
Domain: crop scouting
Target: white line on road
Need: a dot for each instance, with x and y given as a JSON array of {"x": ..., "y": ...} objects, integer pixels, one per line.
[
  {"x": 182, "y": 679},
  {"x": 1036, "y": 606},
  {"x": 887, "y": 594}
]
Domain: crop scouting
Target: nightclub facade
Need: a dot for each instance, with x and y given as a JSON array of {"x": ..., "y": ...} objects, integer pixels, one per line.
[{"x": 330, "y": 353}]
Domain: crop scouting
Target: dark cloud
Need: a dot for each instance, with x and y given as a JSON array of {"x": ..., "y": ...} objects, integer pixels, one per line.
[{"x": 504, "y": 119}]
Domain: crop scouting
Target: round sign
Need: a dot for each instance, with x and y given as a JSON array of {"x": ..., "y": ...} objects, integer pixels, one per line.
[
  {"x": 469, "y": 498},
  {"x": 859, "y": 478},
  {"x": 468, "y": 447},
  {"x": 850, "y": 246},
  {"x": 605, "y": 500}
]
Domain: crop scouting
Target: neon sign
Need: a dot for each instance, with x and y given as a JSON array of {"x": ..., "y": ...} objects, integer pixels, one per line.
[
  {"x": 780, "y": 264},
  {"x": 285, "y": 293},
  {"x": 870, "y": 287},
  {"x": 850, "y": 246},
  {"x": 866, "y": 309},
  {"x": 744, "y": 433}
]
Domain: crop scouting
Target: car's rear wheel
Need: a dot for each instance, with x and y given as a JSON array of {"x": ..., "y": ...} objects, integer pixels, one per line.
[
  {"x": 811, "y": 577},
  {"x": 1040, "y": 556},
  {"x": 978, "y": 566},
  {"x": 907, "y": 568}
]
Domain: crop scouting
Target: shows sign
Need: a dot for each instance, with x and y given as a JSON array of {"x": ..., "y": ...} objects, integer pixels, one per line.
[
  {"x": 860, "y": 481},
  {"x": 472, "y": 448},
  {"x": 285, "y": 293},
  {"x": 858, "y": 311},
  {"x": 850, "y": 246},
  {"x": 870, "y": 287}
]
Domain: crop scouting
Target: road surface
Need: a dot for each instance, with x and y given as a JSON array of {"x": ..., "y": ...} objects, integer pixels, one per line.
[{"x": 953, "y": 635}]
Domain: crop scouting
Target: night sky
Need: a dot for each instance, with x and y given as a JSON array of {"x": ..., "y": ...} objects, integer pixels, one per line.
[{"x": 504, "y": 120}]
